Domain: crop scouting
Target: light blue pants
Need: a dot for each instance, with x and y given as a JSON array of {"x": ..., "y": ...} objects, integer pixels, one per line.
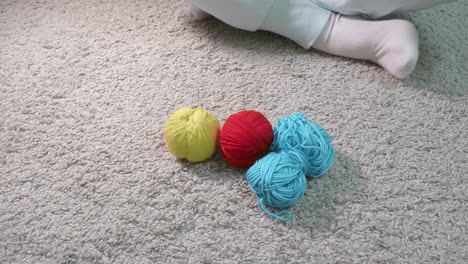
[
  {"x": 303, "y": 20},
  {"x": 377, "y": 8}
]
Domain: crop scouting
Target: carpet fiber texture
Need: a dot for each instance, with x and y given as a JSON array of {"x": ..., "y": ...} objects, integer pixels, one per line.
[{"x": 86, "y": 87}]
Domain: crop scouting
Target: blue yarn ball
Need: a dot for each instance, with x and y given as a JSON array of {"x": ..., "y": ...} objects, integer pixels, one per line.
[
  {"x": 296, "y": 132},
  {"x": 278, "y": 180}
]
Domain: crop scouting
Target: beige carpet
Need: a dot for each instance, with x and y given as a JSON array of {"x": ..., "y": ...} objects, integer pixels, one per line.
[{"x": 86, "y": 87}]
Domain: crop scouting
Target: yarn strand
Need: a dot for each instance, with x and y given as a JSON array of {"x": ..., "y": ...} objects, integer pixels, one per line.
[{"x": 275, "y": 215}]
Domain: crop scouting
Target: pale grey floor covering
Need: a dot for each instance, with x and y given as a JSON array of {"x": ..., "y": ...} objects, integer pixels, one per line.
[{"x": 86, "y": 87}]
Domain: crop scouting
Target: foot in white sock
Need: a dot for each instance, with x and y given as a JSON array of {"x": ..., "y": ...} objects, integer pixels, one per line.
[
  {"x": 393, "y": 44},
  {"x": 198, "y": 14}
]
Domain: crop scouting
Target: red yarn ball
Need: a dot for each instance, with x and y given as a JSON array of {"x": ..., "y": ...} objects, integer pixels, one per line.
[{"x": 245, "y": 138}]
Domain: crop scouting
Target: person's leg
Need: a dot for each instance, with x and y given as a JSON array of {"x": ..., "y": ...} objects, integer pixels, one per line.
[
  {"x": 301, "y": 21},
  {"x": 393, "y": 44}
]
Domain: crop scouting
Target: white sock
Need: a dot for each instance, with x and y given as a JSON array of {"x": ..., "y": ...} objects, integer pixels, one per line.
[
  {"x": 393, "y": 44},
  {"x": 198, "y": 14}
]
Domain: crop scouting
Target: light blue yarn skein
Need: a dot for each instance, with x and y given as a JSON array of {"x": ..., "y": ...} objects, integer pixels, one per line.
[
  {"x": 296, "y": 132},
  {"x": 278, "y": 180}
]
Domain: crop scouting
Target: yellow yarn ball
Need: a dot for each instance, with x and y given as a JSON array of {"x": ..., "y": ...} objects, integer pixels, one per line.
[{"x": 192, "y": 134}]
